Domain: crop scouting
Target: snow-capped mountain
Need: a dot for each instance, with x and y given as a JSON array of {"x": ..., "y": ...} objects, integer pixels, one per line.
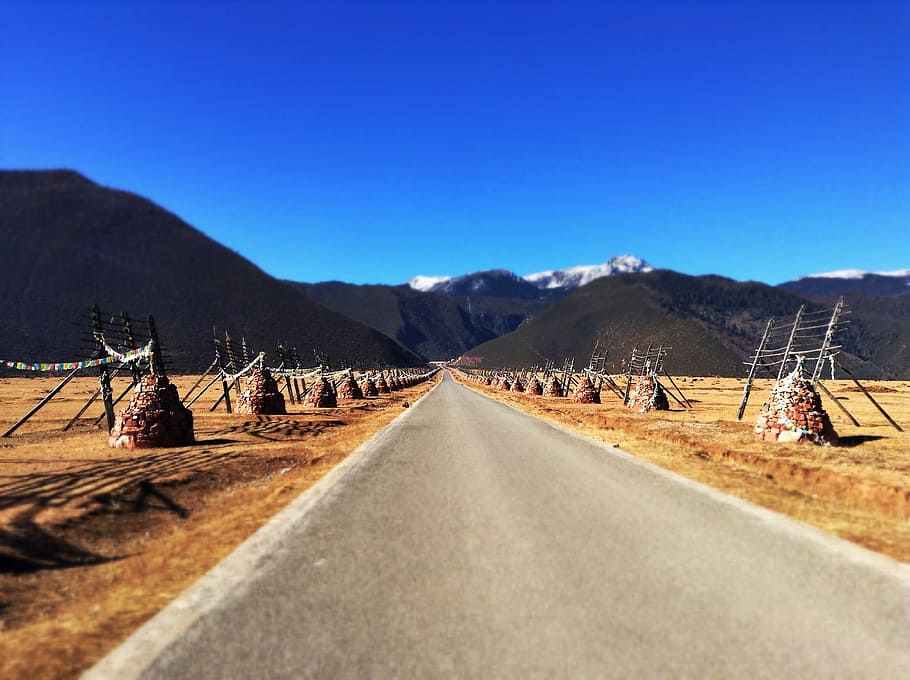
[
  {"x": 856, "y": 274},
  {"x": 553, "y": 279},
  {"x": 852, "y": 281},
  {"x": 427, "y": 283},
  {"x": 575, "y": 277},
  {"x": 493, "y": 283}
]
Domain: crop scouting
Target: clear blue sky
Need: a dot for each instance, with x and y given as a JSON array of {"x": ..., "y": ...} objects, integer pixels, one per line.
[{"x": 372, "y": 141}]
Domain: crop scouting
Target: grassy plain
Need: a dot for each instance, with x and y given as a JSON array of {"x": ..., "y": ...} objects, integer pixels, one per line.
[{"x": 94, "y": 541}]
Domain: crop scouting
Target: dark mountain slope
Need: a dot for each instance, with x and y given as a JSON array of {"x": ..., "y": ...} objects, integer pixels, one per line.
[
  {"x": 878, "y": 331},
  {"x": 68, "y": 243},
  {"x": 434, "y": 325},
  {"x": 868, "y": 284},
  {"x": 712, "y": 323}
]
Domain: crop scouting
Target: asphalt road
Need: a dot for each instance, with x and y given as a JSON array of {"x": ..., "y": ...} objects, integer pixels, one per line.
[{"x": 472, "y": 541}]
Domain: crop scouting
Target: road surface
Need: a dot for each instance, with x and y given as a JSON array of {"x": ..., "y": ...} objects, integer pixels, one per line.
[{"x": 472, "y": 541}]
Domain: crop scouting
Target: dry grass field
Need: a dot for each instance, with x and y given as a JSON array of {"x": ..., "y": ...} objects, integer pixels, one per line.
[
  {"x": 859, "y": 491},
  {"x": 94, "y": 540}
]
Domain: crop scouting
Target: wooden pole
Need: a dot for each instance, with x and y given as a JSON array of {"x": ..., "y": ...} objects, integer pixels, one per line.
[
  {"x": 628, "y": 390},
  {"x": 104, "y": 377},
  {"x": 203, "y": 390},
  {"x": 199, "y": 382},
  {"x": 157, "y": 360},
  {"x": 826, "y": 343},
  {"x": 672, "y": 382},
  {"x": 295, "y": 357},
  {"x": 871, "y": 398},
  {"x": 40, "y": 404},
  {"x": 135, "y": 371},
  {"x": 748, "y": 388},
  {"x": 657, "y": 385},
  {"x": 224, "y": 383},
  {"x": 837, "y": 401},
  {"x": 232, "y": 359},
  {"x": 786, "y": 357}
]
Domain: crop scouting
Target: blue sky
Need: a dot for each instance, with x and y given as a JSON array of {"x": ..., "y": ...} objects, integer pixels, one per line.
[{"x": 372, "y": 141}]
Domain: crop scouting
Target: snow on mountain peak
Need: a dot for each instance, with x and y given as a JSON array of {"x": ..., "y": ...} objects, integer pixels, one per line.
[
  {"x": 426, "y": 283},
  {"x": 569, "y": 278},
  {"x": 574, "y": 277},
  {"x": 855, "y": 274}
]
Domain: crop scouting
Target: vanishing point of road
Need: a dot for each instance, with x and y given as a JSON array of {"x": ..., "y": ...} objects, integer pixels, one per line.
[{"x": 469, "y": 540}]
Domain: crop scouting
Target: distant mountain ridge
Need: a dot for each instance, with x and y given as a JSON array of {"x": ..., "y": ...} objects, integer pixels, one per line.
[
  {"x": 504, "y": 283},
  {"x": 856, "y": 274},
  {"x": 712, "y": 323},
  {"x": 852, "y": 281},
  {"x": 580, "y": 275}
]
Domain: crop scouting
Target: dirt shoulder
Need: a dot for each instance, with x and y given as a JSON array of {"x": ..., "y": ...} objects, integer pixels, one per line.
[
  {"x": 94, "y": 541},
  {"x": 859, "y": 491}
]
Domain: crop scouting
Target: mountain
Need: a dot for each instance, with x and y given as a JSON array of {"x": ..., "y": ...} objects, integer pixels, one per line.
[
  {"x": 548, "y": 284},
  {"x": 441, "y": 317},
  {"x": 852, "y": 281},
  {"x": 575, "y": 277},
  {"x": 433, "y": 325},
  {"x": 69, "y": 243},
  {"x": 493, "y": 283},
  {"x": 712, "y": 324}
]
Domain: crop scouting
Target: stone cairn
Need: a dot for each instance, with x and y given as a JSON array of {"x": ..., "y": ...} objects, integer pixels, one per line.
[
  {"x": 349, "y": 389},
  {"x": 321, "y": 395},
  {"x": 382, "y": 385},
  {"x": 586, "y": 393},
  {"x": 648, "y": 395},
  {"x": 261, "y": 396},
  {"x": 534, "y": 387},
  {"x": 794, "y": 413},
  {"x": 394, "y": 383},
  {"x": 517, "y": 386},
  {"x": 503, "y": 384},
  {"x": 155, "y": 417},
  {"x": 553, "y": 388},
  {"x": 368, "y": 387}
]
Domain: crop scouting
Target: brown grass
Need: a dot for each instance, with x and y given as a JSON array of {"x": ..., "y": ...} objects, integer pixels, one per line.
[
  {"x": 859, "y": 491},
  {"x": 94, "y": 541}
]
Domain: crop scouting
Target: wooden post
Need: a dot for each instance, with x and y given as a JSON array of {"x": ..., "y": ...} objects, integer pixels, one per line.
[
  {"x": 628, "y": 390},
  {"x": 244, "y": 351},
  {"x": 659, "y": 385},
  {"x": 203, "y": 391},
  {"x": 199, "y": 382},
  {"x": 224, "y": 383},
  {"x": 836, "y": 401},
  {"x": 135, "y": 371},
  {"x": 286, "y": 363},
  {"x": 826, "y": 343},
  {"x": 295, "y": 358},
  {"x": 672, "y": 382},
  {"x": 40, "y": 404},
  {"x": 786, "y": 357},
  {"x": 104, "y": 377},
  {"x": 233, "y": 364},
  {"x": 157, "y": 360},
  {"x": 748, "y": 388},
  {"x": 871, "y": 398}
]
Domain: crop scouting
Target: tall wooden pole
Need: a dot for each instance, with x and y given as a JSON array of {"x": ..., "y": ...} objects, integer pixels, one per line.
[
  {"x": 104, "y": 377},
  {"x": 748, "y": 388},
  {"x": 786, "y": 357}
]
